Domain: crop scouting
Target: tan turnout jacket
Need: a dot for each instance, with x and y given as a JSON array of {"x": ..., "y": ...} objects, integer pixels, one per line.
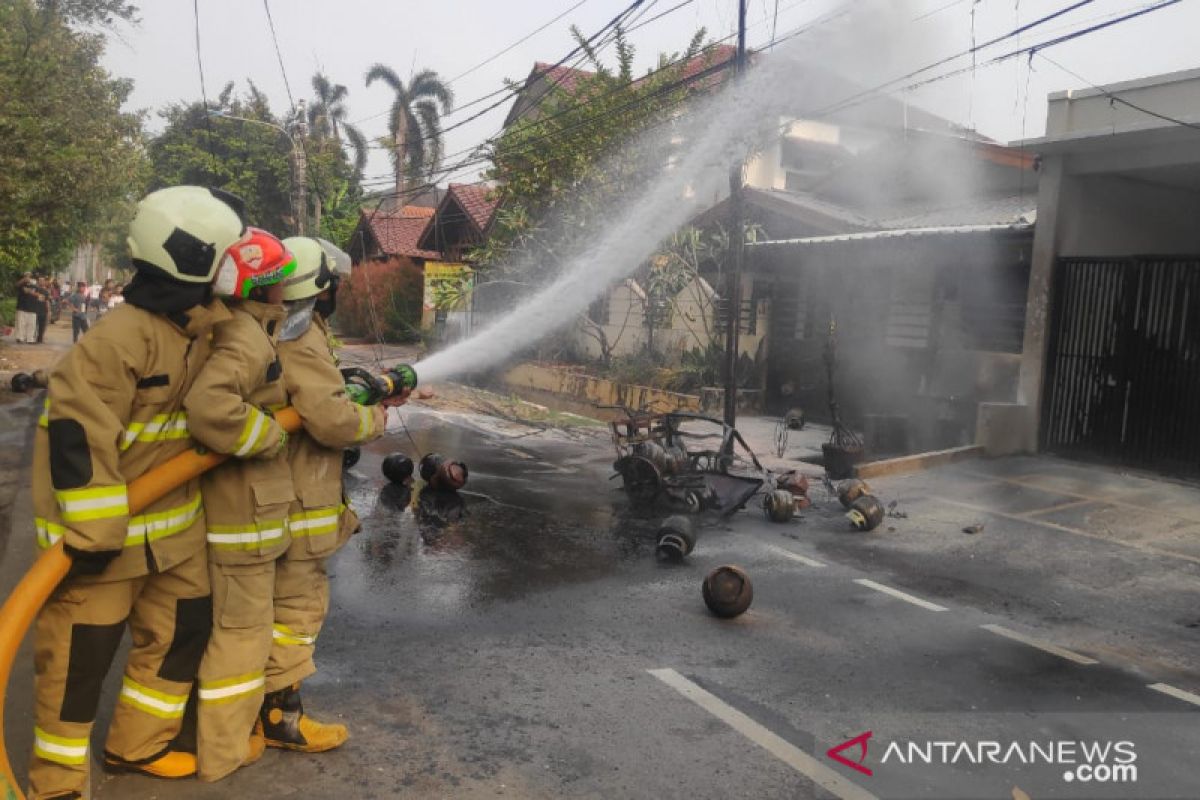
[
  {"x": 229, "y": 410},
  {"x": 319, "y": 519},
  {"x": 115, "y": 410}
]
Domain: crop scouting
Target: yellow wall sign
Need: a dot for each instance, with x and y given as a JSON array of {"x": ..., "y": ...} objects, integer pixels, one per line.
[{"x": 447, "y": 288}]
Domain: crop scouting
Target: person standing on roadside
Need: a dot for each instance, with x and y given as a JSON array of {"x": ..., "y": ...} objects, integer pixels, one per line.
[
  {"x": 26, "y": 322},
  {"x": 78, "y": 302},
  {"x": 43, "y": 306}
]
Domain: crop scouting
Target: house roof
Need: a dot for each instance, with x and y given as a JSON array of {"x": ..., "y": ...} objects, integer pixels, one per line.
[
  {"x": 478, "y": 201},
  {"x": 944, "y": 231},
  {"x": 566, "y": 78},
  {"x": 398, "y": 232},
  {"x": 1013, "y": 209},
  {"x": 462, "y": 218},
  {"x": 545, "y": 77}
]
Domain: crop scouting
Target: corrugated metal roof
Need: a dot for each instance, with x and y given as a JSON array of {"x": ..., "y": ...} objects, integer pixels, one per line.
[{"x": 896, "y": 233}]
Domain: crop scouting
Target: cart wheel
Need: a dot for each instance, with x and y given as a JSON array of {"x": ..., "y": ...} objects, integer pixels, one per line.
[{"x": 641, "y": 479}]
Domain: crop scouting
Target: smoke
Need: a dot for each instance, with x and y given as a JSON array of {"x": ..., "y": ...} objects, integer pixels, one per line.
[{"x": 871, "y": 43}]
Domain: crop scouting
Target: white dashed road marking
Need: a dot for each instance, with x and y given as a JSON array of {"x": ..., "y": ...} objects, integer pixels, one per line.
[
  {"x": 812, "y": 562},
  {"x": 899, "y": 595},
  {"x": 1180, "y": 694},
  {"x": 1047, "y": 647},
  {"x": 820, "y": 774}
]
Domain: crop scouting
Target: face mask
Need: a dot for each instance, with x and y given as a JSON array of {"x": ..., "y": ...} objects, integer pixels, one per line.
[{"x": 298, "y": 320}]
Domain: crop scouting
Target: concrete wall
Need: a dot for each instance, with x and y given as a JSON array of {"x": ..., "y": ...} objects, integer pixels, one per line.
[
  {"x": 1176, "y": 94},
  {"x": 1111, "y": 215},
  {"x": 588, "y": 389}
]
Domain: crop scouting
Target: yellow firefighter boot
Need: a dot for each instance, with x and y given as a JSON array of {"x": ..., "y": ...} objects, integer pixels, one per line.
[
  {"x": 171, "y": 764},
  {"x": 286, "y": 726}
]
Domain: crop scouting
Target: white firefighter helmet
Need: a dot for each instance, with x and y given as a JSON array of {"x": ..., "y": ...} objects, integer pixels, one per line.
[
  {"x": 318, "y": 263},
  {"x": 183, "y": 231}
]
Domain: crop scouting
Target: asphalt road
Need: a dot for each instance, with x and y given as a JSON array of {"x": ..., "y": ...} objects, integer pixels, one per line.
[{"x": 523, "y": 640}]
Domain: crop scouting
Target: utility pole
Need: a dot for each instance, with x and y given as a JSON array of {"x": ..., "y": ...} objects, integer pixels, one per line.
[
  {"x": 300, "y": 160},
  {"x": 733, "y": 289}
]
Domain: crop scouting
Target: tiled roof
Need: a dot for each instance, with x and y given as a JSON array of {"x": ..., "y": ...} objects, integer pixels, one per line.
[
  {"x": 477, "y": 201},
  {"x": 566, "y": 78},
  {"x": 399, "y": 232},
  {"x": 718, "y": 55}
]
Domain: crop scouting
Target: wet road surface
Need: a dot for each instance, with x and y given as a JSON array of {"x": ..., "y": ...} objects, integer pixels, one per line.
[{"x": 522, "y": 640}]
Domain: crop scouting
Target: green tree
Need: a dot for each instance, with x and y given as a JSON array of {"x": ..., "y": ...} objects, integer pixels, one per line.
[
  {"x": 568, "y": 165},
  {"x": 248, "y": 159},
  {"x": 327, "y": 118},
  {"x": 414, "y": 122},
  {"x": 70, "y": 159},
  {"x": 335, "y": 180}
]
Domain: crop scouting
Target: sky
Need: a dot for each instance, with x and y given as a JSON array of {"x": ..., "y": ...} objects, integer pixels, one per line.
[{"x": 1005, "y": 101}]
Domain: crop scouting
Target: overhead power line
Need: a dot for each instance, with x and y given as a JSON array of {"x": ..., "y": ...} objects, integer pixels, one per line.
[
  {"x": 515, "y": 44},
  {"x": 882, "y": 88},
  {"x": 1116, "y": 98}
]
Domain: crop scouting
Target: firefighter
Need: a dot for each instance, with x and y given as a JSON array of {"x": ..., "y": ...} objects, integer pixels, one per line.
[
  {"x": 246, "y": 500},
  {"x": 320, "y": 520},
  {"x": 114, "y": 410}
]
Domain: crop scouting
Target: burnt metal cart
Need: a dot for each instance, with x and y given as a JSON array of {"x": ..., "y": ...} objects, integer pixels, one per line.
[{"x": 691, "y": 460}]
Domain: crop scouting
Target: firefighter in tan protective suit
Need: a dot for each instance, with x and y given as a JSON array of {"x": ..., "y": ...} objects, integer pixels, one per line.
[
  {"x": 246, "y": 500},
  {"x": 114, "y": 411},
  {"x": 320, "y": 521}
]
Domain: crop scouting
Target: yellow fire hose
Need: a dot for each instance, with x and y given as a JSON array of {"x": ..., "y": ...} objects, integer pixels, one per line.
[{"x": 51, "y": 567}]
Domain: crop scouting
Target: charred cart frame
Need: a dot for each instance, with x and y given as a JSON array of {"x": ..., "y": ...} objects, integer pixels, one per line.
[{"x": 657, "y": 458}]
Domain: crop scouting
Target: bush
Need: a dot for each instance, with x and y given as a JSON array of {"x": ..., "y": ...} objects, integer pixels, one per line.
[
  {"x": 8, "y": 310},
  {"x": 384, "y": 295}
]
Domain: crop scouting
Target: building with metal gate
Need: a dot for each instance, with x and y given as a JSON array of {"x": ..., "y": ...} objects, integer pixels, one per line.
[{"x": 1110, "y": 367}]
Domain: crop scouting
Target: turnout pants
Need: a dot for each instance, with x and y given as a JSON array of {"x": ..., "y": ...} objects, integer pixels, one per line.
[
  {"x": 232, "y": 674},
  {"x": 301, "y": 602},
  {"x": 302, "y": 591},
  {"x": 77, "y": 633}
]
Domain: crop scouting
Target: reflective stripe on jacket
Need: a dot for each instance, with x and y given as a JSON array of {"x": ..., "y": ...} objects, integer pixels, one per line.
[{"x": 114, "y": 411}]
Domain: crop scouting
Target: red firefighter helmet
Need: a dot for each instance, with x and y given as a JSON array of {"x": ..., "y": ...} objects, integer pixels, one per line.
[{"x": 257, "y": 259}]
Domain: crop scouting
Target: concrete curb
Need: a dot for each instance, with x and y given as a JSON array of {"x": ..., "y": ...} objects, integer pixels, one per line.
[{"x": 918, "y": 461}]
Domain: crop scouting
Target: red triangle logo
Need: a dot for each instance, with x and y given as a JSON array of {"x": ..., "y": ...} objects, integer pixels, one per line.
[{"x": 860, "y": 742}]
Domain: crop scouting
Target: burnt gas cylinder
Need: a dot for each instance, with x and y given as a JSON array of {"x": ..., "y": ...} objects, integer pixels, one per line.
[
  {"x": 727, "y": 591},
  {"x": 442, "y": 473},
  {"x": 350, "y": 457},
  {"x": 865, "y": 513},
  {"x": 398, "y": 468},
  {"x": 676, "y": 537},
  {"x": 851, "y": 490},
  {"x": 779, "y": 505},
  {"x": 429, "y": 464}
]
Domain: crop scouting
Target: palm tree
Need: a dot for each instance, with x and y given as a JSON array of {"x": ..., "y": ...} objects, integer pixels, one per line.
[
  {"x": 415, "y": 122},
  {"x": 327, "y": 118}
]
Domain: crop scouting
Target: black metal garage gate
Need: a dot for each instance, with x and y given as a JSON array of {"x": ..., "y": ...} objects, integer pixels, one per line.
[{"x": 1123, "y": 375}]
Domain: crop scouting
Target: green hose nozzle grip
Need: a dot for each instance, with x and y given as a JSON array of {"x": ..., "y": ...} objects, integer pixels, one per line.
[{"x": 368, "y": 389}]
